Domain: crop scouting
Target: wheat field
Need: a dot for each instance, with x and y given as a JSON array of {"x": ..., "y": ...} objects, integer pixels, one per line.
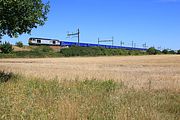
[{"x": 140, "y": 72}]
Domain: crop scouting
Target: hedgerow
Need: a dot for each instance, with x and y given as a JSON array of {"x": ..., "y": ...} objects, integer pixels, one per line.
[{"x": 97, "y": 51}]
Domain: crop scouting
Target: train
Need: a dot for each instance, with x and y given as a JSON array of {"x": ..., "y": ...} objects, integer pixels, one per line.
[{"x": 55, "y": 42}]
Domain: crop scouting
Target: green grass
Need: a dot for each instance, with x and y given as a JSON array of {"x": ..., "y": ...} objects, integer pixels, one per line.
[
  {"x": 33, "y": 98},
  {"x": 37, "y": 52}
]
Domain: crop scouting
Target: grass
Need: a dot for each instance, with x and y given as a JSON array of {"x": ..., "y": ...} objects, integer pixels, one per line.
[
  {"x": 94, "y": 88},
  {"x": 147, "y": 72},
  {"x": 37, "y": 98},
  {"x": 31, "y": 54}
]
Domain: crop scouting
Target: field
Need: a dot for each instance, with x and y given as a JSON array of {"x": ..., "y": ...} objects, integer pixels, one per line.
[
  {"x": 92, "y": 88},
  {"x": 155, "y": 72}
]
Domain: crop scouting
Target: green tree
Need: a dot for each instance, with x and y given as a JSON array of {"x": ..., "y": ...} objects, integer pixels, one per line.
[
  {"x": 6, "y": 48},
  {"x": 165, "y": 51},
  {"x": 152, "y": 51},
  {"x": 21, "y": 16},
  {"x": 172, "y": 52},
  {"x": 19, "y": 44},
  {"x": 178, "y": 52}
]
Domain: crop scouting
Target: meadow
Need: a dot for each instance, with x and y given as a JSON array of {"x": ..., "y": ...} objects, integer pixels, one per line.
[
  {"x": 94, "y": 88},
  {"x": 161, "y": 71}
]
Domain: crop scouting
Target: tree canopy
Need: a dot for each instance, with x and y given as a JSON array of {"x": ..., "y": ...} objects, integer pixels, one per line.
[
  {"x": 178, "y": 52},
  {"x": 21, "y": 16},
  {"x": 165, "y": 51},
  {"x": 152, "y": 51}
]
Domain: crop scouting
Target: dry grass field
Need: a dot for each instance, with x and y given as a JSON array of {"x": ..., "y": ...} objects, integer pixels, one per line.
[
  {"x": 91, "y": 88},
  {"x": 148, "y": 72}
]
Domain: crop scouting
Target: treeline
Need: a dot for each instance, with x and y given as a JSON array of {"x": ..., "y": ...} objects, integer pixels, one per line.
[
  {"x": 153, "y": 51},
  {"x": 98, "y": 51},
  {"x": 6, "y": 51}
]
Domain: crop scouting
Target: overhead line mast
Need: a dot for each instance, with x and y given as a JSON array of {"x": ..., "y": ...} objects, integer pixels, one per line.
[
  {"x": 107, "y": 40},
  {"x": 77, "y": 34}
]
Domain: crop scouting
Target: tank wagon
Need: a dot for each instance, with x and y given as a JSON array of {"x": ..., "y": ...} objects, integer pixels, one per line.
[{"x": 54, "y": 42}]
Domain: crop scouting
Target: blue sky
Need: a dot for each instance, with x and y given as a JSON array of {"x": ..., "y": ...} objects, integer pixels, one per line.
[{"x": 156, "y": 22}]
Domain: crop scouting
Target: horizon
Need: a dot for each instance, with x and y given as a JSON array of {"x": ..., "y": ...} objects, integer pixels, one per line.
[{"x": 155, "y": 22}]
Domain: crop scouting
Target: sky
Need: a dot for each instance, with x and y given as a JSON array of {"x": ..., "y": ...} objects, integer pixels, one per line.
[{"x": 155, "y": 22}]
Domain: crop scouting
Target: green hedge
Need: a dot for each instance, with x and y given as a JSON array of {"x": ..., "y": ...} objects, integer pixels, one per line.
[
  {"x": 46, "y": 51},
  {"x": 97, "y": 51}
]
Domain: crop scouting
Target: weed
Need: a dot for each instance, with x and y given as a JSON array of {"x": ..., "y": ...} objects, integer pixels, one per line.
[{"x": 5, "y": 76}]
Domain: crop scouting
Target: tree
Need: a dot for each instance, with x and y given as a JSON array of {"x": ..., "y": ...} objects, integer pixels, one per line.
[
  {"x": 6, "y": 48},
  {"x": 178, "y": 52},
  {"x": 158, "y": 52},
  {"x": 21, "y": 16},
  {"x": 19, "y": 44},
  {"x": 152, "y": 51},
  {"x": 172, "y": 52},
  {"x": 165, "y": 51}
]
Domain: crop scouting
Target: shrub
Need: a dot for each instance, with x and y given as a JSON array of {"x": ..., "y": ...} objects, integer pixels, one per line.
[
  {"x": 6, "y": 48},
  {"x": 152, "y": 51},
  {"x": 43, "y": 49},
  {"x": 135, "y": 52},
  {"x": 4, "y": 77},
  {"x": 97, "y": 51},
  {"x": 19, "y": 44},
  {"x": 178, "y": 52},
  {"x": 165, "y": 51},
  {"x": 172, "y": 52},
  {"x": 158, "y": 52}
]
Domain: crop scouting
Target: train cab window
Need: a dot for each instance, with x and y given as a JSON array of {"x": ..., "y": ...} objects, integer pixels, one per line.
[
  {"x": 38, "y": 41},
  {"x": 31, "y": 39},
  {"x": 54, "y": 42}
]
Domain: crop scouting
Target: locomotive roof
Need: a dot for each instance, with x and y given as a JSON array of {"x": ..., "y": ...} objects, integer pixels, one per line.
[{"x": 43, "y": 38}]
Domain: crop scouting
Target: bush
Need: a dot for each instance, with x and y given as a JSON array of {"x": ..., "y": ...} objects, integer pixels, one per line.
[
  {"x": 19, "y": 44},
  {"x": 152, "y": 51},
  {"x": 178, "y": 52},
  {"x": 172, "y": 52},
  {"x": 4, "y": 77},
  {"x": 42, "y": 49},
  {"x": 158, "y": 52},
  {"x": 135, "y": 52},
  {"x": 97, "y": 51},
  {"x": 165, "y": 51},
  {"x": 6, "y": 48}
]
